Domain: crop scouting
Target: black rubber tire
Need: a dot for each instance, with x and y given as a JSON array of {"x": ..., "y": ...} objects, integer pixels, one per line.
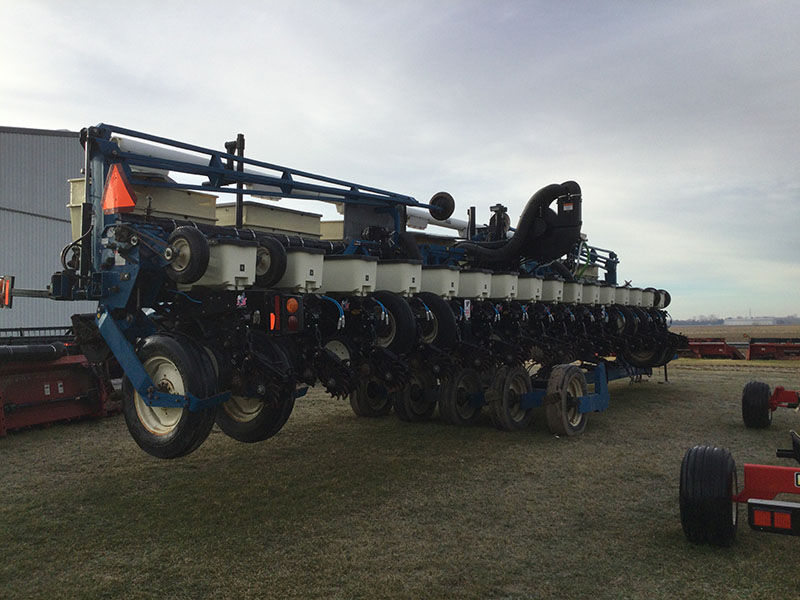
[
  {"x": 370, "y": 398},
  {"x": 455, "y": 404},
  {"x": 708, "y": 484},
  {"x": 504, "y": 400},
  {"x": 565, "y": 385},
  {"x": 442, "y": 206},
  {"x": 169, "y": 433},
  {"x": 442, "y": 331},
  {"x": 192, "y": 255},
  {"x": 644, "y": 357},
  {"x": 417, "y": 400},
  {"x": 271, "y": 262},
  {"x": 252, "y": 420},
  {"x": 667, "y": 299},
  {"x": 400, "y": 334},
  {"x": 756, "y": 412}
]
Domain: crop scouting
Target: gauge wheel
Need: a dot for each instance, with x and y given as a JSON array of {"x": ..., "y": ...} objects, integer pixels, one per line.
[
  {"x": 176, "y": 367},
  {"x": 188, "y": 253},
  {"x": 565, "y": 386}
]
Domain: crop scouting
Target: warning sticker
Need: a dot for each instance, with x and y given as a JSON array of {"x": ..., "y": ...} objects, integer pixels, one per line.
[
  {"x": 797, "y": 479},
  {"x": 567, "y": 206}
]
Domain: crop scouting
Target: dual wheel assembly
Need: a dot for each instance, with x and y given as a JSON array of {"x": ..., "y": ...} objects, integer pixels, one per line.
[{"x": 179, "y": 365}]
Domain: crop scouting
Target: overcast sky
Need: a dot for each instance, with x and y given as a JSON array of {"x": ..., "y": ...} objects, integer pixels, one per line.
[{"x": 680, "y": 120}]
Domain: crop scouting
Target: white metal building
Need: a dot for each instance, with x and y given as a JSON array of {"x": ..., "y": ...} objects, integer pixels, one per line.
[{"x": 35, "y": 165}]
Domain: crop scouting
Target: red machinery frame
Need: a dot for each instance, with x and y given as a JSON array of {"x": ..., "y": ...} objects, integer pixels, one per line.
[
  {"x": 41, "y": 392},
  {"x": 762, "y": 483}
]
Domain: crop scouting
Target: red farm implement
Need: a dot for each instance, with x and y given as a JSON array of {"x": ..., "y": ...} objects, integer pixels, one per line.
[
  {"x": 711, "y": 348},
  {"x": 44, "y": 381}
]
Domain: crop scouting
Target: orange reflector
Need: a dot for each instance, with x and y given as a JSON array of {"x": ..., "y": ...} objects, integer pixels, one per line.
[
  {"x": 6, "y": 283},
  {"x": 292, "y": 305},
  {"x": 762, "y": 518},
  {"x": 118, "y": 195},
  {"x": 271, "y": 321},
  {"x": 783, "y": 520}
]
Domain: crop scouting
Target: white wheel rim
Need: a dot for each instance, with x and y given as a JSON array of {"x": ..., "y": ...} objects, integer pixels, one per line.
[
  {"x": 430, "y": 336},
  {"x": 574, "y": 391},
  {"x": 183, "y": 254},
  {"x": 243, "y": 408},
  {"x": 263, "y": 261},
  {"x": 340, "y": 349},
  {"x": 384, "y": 341},
  {"x": 516, "y": 388},
  {"x": 160, "y": 420}
]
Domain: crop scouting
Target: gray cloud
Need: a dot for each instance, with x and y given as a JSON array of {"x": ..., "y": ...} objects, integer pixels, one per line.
[{"x": 679, "y": 120}]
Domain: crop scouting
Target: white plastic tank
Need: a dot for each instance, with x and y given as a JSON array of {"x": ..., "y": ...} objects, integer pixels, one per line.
[
  {"x": 552, "y": 290},
  {"x": 607, "y": 294},
  {"x": 304, "y": 270},
  {"x": 590, "y": 294},
  {"x": 401, "y": 276},
  {"x": 622, "y": 296},
  {"x": 349, "y": 274},
  {"x": 475, "y": 283},
  {"x": 442, "y": 280},
  {"x": 529, "y": 288},
  {"x": 572, "y": 292},
  {"x": 504, "y": 285}
]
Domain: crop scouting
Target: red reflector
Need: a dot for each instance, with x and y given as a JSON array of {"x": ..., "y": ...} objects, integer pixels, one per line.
[
  {"x": 783, "y": 520},
  {"x": 118, "y": 195},
  {"x": 292, "y": 323},
  {"x": 277, "y": 312},
  {"x": 762, "y": 518}
]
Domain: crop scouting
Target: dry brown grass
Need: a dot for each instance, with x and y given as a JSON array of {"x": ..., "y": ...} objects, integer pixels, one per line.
[
  {"x": 738, "y": 333},
  {"x": 341, "y": 507}
]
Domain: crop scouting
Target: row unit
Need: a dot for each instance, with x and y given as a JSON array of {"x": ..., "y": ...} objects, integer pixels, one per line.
[{"x": 233, "y": 266}]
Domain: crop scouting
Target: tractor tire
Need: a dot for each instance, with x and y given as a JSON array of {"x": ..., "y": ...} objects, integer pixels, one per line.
[
  {"x": 255, "y": 419},
  {"x": 708, "y": 483},
  {"x": 174, "y": 364},
  {"x": 566, "y": 384},
  {"x": 457, "y": 398},
  {"x": 190, "y": 255},
  {"x": 399, "y": 334},
  {"x": 271, "y": 261},
  {"x": 417, "y": 400},
  {"x": 756, "y": 412},
  {"x": 504, "y": 399},
  {"x": 370, "y": 398},
  {"x": 442, "y": 330}
]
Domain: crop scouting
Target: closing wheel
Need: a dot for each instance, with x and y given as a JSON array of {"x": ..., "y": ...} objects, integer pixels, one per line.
[
  {"x": 441, "y": 330},
  {"x": 188, "y": 253},
  {"x": 176, "y": 367},
  {"x": 458, "y": 398},
  {"x": 256, "y": 418},
  {"x": 370, "y": 398},
  {"x": 756, "y": 412},
  {"x": 417, "y": 400},
  {"x": 398, "y": 331},
  {"x": 505, "y": 399},
  {"x": 708, "y": 483},
  {"x": 564, "y": 388},
  {"x": 271, "y": 262}
]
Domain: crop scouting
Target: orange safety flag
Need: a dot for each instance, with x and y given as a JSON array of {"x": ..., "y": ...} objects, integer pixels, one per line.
[{"x": 118, "y": 195}]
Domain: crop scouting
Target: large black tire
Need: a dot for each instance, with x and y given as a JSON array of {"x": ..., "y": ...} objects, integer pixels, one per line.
[
  {"x": 271, "y": 261},
  {"x": 504, "y": 399},
  {"x": 417, "y": 400},
  {"x": 253, "y": 419},
  {"x": 708, "y": 483},
  {"x": 190, "y": 255},
  {"x": 175, "y": 365},
  {"x": 399, "y": 334},
  {"x": 756, "y": 412},
  {"x": 456, "y": 398},
  {"x": 370, "y": 398},
  {"x": 442, "y": 329},
  {"x": 566, "y": 384},
  {"x": 645, "y": 355}
]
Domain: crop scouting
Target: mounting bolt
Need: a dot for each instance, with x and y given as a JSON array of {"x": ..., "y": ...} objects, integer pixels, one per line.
[{"x": 169, "y": 253}]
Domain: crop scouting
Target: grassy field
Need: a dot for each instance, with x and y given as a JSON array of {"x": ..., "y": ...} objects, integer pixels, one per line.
[
  {"x": 738, "y": 333},
  {"x": 341, "y": 507}
]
